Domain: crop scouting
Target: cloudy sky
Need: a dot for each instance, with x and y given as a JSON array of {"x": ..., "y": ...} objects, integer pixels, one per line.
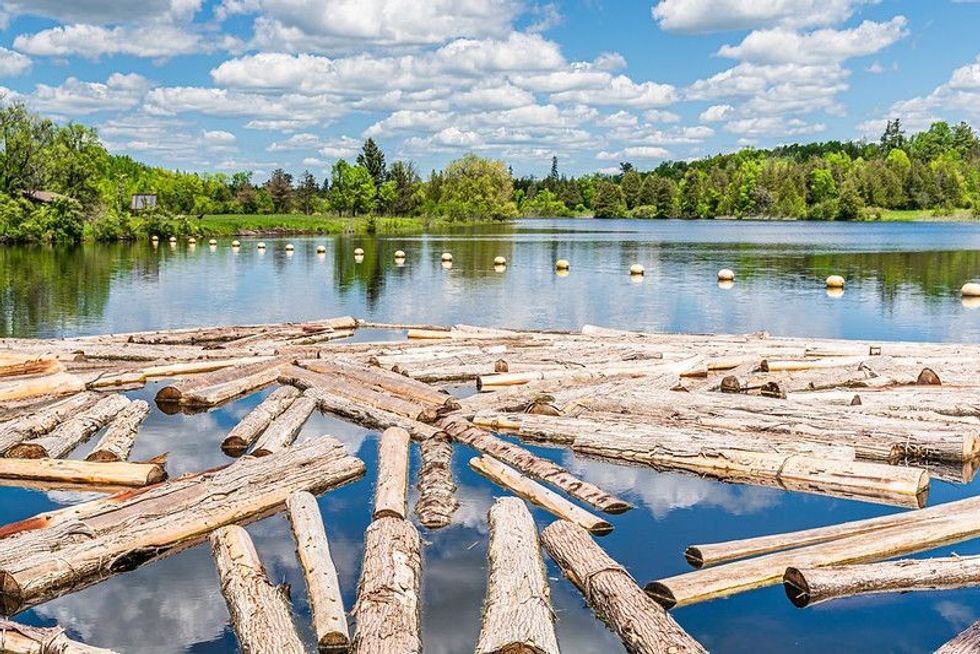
[{"x": 255, "y": 84}]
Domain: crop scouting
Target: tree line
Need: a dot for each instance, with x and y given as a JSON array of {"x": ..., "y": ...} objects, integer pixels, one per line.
[{"x": 87, "y": 191}]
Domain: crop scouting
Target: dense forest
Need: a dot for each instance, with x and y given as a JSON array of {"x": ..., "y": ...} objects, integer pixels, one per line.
[{"x": 58, "y": 183}]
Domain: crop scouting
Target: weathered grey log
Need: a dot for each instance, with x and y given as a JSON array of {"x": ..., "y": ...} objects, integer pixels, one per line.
[
  {"x": 71, "y": 433},
  {"x": 54, "y": 553},
  {"x": 120, "y": 435},
  {"x": 436, "y": 501},
  {"x": 967, "y": 642},
  {"x": 259, "y": 611},
  {"x": 16, "y": 638},
  {"x": 806, "y": 586},
  {"x": 391, "y": 382},
  {"x": 391, "y": 492},
  {"x": 388, "y": 611},
  {"x": 322, "y": 585},
  {"x": 242, "y": 435},
  {"x": 366, "y": 416},
  {"x": 357, "y": 392},
  {"x": 284, "y": 429},
  {"x": 642, "y": 624},
  {"x": 216, "y": 387},
  {"x": 517, "y": 613},
  {"x": 43, "y": 421}
]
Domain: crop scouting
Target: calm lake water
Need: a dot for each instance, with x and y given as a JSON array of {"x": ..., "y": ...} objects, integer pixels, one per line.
[{"x": 903, "y": 282}]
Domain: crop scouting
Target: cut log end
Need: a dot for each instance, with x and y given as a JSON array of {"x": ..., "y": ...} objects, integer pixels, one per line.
[
  {"x": 694, "y": 557},
  {"x": 797, "y": 589},
  {"x": 234, "y": 447},
  {"x": 928, "y": 377},
  {"x": 168, "y": 394},
  {"x": 730, "y": 384},
  {"x": 11, "y": 595},
  {"x": 26, "y": 451},
  {"x": 102, "y": 456},
  {"x": 661, "y": 594}
]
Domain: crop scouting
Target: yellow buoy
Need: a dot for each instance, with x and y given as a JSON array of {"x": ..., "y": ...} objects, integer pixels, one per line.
[
  {"x": 637, "y": 270},
  {"x": 358, "y": 252},
  {"x": 726, "y": 275},
  {"x": 321, "y": 249},
  {"x": 562, "y": 272},
  {"x": 562, "y": 264},
  {"x": 192, "y": 240},
  {"x": 835, "y": 292},
  {"x": 154, "y": 238},
  {"x": 213, "y": 241},
  {"x": 289, "y": 247},
  {"x": 260, "y": 245},
  {"x": 236, "y": 244},
  {"x": 446, "y": 256},
  {"x": 399, "y": 254},
  {"x": 970, "y": 289},
  {"x": 725, "y": 284},
  {"x": 835, "y": 281},
  {"x": 499, "y": 261},
  {"x": 173, "y": 239}
]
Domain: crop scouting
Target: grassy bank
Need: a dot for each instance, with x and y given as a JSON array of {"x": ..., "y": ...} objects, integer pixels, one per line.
[
  {"x": 244, "y": 225},
  {"x": 925, "y": 215}
]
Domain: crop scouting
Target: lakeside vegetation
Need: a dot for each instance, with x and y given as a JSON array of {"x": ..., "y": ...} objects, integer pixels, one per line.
[{"x": 58, "y": 183}]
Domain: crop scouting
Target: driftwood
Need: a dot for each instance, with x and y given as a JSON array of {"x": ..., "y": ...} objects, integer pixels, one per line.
[
  {"x": 322, "y": 586},
  {"x": 806, "y": 586},
  {"x": 388, "y": 611},
  {"x": 95, "y": 474},
  {"x": 259, "y": 611},
  {"x": 54, "y": 553},
  {"x": 71, "y": 433},
  {"x": 216, "y": 387},
  {"x": 517, "y": 614},
  {"x": 47, "y": 418},
  {"x": 391, "y": 492},
  {"x": 532, "y": 491},
  {"x": 120, "y": 435},
  {"x": 242, "y": 435},
  {"x": 967, "y": 642},
  {"x": 17, "y": 638},
  {"x": 284, "y": 429},
  {"x": 642, "y": 624},
  {"x": 436, "y": 502}
]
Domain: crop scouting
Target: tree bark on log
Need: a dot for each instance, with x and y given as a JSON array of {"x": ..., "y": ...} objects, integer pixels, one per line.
[
  {"x": 17, "y": 638},
  {"x": 508, "y": 478},
  {"x": 391, "y": 492},
  {"x": 517, "y": 613},
  {"x": 215, "y": 387},
  {"x": 436, "y": 502},
  {"x": 967, "y": 642},
  {"x": 532, "y": 465},
  {"x": 367, "y": 416},
  {"x": 394, "y": 383},
  {"x": 357, "y": 392},
  {"x": 120, "y": 435},
  {"x": 642, "y": 624},
  {"x": 388, "y": 612},
  {"x": 71, "y": 433},
  {"x": 807, "y": 586},
  {"x": 42, "y": 422},
  {"x": 55, "y": 553},
  {"x": 97, "y": 474},
  {"x": 322, "y": 586},
  {"x": 242, "y": 435},
  {"x": 284, "y": 429},
  {"x": 259, "y": 611}
]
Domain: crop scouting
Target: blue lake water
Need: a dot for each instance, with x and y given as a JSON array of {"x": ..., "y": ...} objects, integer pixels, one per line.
[{"x": 903, "y": 282}]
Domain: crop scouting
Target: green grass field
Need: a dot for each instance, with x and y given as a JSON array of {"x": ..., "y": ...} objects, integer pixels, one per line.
[
  {"x": 237, "y": 225},
  {"x": 924, "y": 215}
]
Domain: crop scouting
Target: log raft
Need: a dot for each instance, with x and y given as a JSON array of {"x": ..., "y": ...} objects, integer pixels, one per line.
[
  {"x": 436, "y": 501},
  {"x": 391, "y": 493},
  {"x": 245, "y": 433},
  {"x": 284, "y": 429},
  {"x": 120, "y": 435},
  {"x": 71, "y": 433},
  {"x": 16, "y": 638}
]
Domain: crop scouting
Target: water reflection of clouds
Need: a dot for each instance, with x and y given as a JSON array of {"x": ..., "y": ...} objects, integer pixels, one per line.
[{"x": 959, "y": 616}]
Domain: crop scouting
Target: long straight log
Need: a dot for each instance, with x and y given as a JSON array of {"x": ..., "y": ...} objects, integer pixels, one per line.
[
  {"x": 115, "y": 473},
  {"x": 120, "y": 435},
  {"x": 16, "y": 364},
  {"x": 391, "y": 493},
  {"x": 59, "y": 383},
  {"x": 322, "y": 585},
  {"x": 215, "y": 387},
  {"x": 224, "y": 333},
  {"x": 967, "y": 642},
  {"x": 394, "y": 383},
  {"x": 42, "y": 422},
  {"x": 642, "y": 624},
  {"x": 358, "y": 392},
  {"x": 259, "y": 611},
  {"x": 71, "y": 433},
  {"x": 284, "y": 429},
  {"x": 436, "y": 501},
  {"x": 517, "y": 614},
  {"x": 532, "y": 465},
  {"x": 388, "y": 609},
  {"x": 806, "y": 586},
  {"x": 197, "y": 367},
  {"x": 792, "y": 365},
  {"x": 242, "y": 435},
  {"x": 929, "y": 531},
  {"x": 367, "y": 416},
  {"x": 57, "y": 552},
  {"x": 510, "y": 479},
  {"x": 18, "y": 638}
]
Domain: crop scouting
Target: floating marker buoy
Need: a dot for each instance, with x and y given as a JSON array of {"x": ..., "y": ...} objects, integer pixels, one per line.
[
  {"x": 835, "y": 281},
  {"x": 173, "y": 239},
  {"x": 289, "y": 247},
  {"x": 321, "y": 249},
  {"x": 970, "y": 289},
  {"x": 499, "y": 261},
  {"x": 154, "y": 238},
  {"x": 726, "y": 275},
  {"x": 213, "y": 242},
  {"x": 192, "y": 240},
  {"x": 260, "y": 245},
  {"x": 399, "y": 254},
  {"x": 358, "y": 252},
  {"x": 835, "y": 292},
  {"x": 637, "y": 270},
  {"x": 446, "y": 256},
  {"x": 725, "y": 284},
  {"x": 236, "y": 244},
  {"x": 561, "y": 264}
]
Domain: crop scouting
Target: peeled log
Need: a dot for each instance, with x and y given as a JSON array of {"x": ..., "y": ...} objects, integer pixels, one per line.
[
  {"x": 113, "y": 473},
  {"x": 17, "y": 638},
  {"x": 388, "y": 612},
  {"x": 394, "y": 383},
  {"x": 117, "y": 442},
  {"x": 284, "y": 429},
  {"x": 242, "y": 435},
  {"x": 517, "y": 614},
  {"x": 806, "y": 586},
  {"x": 71, "y": 433},
  {"x": 215, "y": 387},
  {"x": 968, "y": 642},
  {"x": 259, "y": 611},
  {"x": 65, "y": 550},
  {"x": 532, "y": 465},
  {"x": 532, "y": 491},
  {"x": 367, "y": 416},
  {"x": 59, "y": 383},
  {"x": 642, "y": 624},
  {"x": 322, "y": 586},
  {"x": 391, "y": 493},
  {"x": 358, "y": 392},
  {"x": 436, "y": 502},
  {"x": 42, "y": 422}
]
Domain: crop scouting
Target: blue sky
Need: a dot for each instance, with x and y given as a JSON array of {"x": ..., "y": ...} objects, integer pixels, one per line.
[{"x": 256, "y": 84}]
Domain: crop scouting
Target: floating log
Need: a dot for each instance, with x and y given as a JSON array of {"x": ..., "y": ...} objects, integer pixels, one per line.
[
  {"x": 532, "y": 491},
  {"x": 322, "y": 586},
  {"x": 357, "y": 392},
  {"x": 642, "y": 624},
  {"x": 532, "y": 465},
  {"x": 959, "y": 522},
  {"x": 209, "y": 335},
  {"x": 242, "y": 435},
  {"x": 967, "y": 642},
  {"x": 284, "y": 429},
  {"x": 42, "y": 422},
  {"x": 16, "y": 638},
  {"x": 96, "y": 474},
  {"x": 54, "y": 553},
  {"x": 259, "y": 611},
  {"x": 367, "y": 416},
  {"x": 517, "y": 614},
  {"x": 806, "y": 586},
  {"x": 436, "y": 501},
  {"x": 71, "y": 433},
  {"x": 388, "y": 609},
  {"x": 429, "y": 334},
  {"x": 59, "y": 383},
  {"x": 117, "y": 442},
  {"x": 793, "y": 365},
  {"x": 17, "y": 364},
  {"x": 215, "y": 387},
  {"x": 391, "y": 492},
  {"x": 198, "y": 367},
  {"x": 404, "y": 387}
]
